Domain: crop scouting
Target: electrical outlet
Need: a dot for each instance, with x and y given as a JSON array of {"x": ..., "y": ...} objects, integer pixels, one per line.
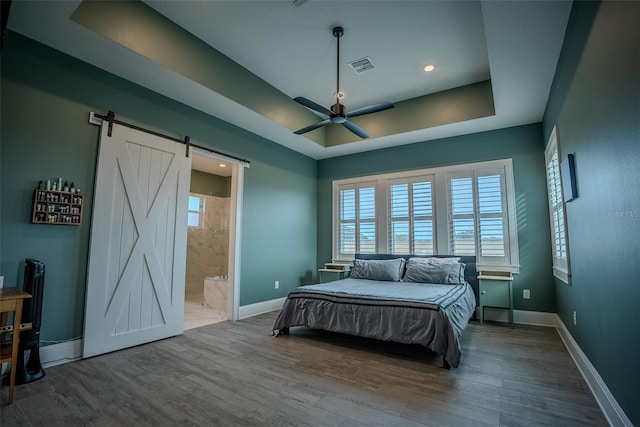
[
  {"x": 574, "y": 318},
  {"x": 526, "y": 294},
  {"x": 277, "y": 284}
]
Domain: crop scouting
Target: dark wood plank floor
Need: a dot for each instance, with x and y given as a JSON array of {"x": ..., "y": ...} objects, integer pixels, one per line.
[{"x": 236, "y": 374}]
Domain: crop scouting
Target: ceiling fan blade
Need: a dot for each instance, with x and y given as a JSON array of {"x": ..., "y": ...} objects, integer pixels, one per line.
[
  {"x": 310, "y": 104},
  {"x": 356, "y": 129},
  {"x": 370, "y": 109},
  {"x": 312, "y": 127}
]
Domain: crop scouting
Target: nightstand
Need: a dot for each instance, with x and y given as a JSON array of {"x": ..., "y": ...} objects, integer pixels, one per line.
[
  {"x": 330, "y": 274},
  {"x": 333, "y": 271},
  {"x": 496, "y": 291}
]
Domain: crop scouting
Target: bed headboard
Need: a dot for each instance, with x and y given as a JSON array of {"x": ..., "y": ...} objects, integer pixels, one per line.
[{"x": 470, "y": 272}]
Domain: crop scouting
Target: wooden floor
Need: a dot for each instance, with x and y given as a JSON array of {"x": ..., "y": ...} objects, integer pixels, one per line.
[{"x": 236, "y": 374}]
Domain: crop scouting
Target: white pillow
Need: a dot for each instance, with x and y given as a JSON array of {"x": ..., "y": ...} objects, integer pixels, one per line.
[
  {"x": 434, "y": 260},
  {"x": 440, "y": 273},
  {"x": 379, "y": 269}
]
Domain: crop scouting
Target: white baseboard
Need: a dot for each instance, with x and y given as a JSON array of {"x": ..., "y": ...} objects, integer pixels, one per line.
[
  {"x": 57, "y": 354},
  {"x": 537, "y": 318},
  {"x": 260, "y": 307},
  {"x": 612, "y": 411}
]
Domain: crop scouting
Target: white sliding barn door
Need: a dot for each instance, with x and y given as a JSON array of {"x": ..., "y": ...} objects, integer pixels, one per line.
[{"x": 137, "y": 254}]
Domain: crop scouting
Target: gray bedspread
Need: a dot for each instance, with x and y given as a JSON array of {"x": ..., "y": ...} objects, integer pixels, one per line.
[{"x": 412, "y": 313}]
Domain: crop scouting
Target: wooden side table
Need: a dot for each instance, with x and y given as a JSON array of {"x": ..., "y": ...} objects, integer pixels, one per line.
[
  {"x": 333, "y": 271},
  {"x": 330, "y": 274},
  {"x": 11, "y": 301}
]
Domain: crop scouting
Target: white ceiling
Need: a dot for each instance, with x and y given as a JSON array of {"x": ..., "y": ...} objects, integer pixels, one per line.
[
  {"x": 293, "y": 49},
  {"x": 516, "y": 44},
  {"x": 210, "y": 164}
]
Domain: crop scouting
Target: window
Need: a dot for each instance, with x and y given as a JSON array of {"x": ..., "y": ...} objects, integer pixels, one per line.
[
  {"x": 477, "y": 212},
  {"x": 357, "y": 219},
  {"x": 196, "y": 208},
  {"x": 411, "y": 216},
  {"x": 460, "y": 210},
  {"x": 462, "y": 224},
  {"x": 559, "y": 243}
]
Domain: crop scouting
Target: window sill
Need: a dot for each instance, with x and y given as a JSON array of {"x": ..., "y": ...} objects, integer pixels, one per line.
[
  {"x": 562, "y": 275},
  {"x": 513, "y": 269}
]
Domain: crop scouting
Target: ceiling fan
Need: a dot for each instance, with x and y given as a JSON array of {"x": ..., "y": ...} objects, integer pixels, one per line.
[{"x": 338, "y": 113}]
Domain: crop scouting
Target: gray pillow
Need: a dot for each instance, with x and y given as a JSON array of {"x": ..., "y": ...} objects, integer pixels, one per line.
[
  {"x": 445, "y": 274},
  {"x": 380, "y": 269}
]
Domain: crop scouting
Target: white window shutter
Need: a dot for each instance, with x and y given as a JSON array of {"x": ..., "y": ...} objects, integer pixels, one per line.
[
  {"x": 559, "y": 244},
  {"x": 410, "y": 214},
  {"x": 492, "y": 221},
  {"x": 462, "y": 224},
  {"x": 356, "y": 225}
]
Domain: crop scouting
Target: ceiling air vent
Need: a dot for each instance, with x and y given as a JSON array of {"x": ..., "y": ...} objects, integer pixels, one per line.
[
  {"x": 298, "y": 2},
  {"x": 362, "y": 65}
]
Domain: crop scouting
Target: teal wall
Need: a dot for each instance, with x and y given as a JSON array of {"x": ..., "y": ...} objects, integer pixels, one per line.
[
  {"x": 522, "y": 144},
  {"x": 213, "y": 185},
  {"x": 595, "y": 101},
  {"x": 46, "y": 97},
  {"x": 46, "y": 100}
]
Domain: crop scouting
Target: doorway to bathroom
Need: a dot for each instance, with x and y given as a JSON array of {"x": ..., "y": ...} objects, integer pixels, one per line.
[{"x": 211, "y": 235}]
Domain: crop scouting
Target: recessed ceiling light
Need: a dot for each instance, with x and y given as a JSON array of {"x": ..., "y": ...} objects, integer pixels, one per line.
[
  {"x": 429, "y": 67},
  {"x": 339, "y": 95},
  {"x": 222, "y": 165}
]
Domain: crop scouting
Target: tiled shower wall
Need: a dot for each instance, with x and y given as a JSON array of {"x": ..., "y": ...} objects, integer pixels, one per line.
[{"x": 208, "y": 246}]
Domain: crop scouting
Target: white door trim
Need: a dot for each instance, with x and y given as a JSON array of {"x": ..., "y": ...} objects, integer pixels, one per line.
[{"x": 235, "y": 224}]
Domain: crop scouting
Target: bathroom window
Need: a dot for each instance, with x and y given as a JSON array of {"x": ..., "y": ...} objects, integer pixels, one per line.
[{"x": 196, "y": 209}]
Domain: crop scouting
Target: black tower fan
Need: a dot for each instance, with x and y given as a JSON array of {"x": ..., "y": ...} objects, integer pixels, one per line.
[{"x": 29, "y": 347}]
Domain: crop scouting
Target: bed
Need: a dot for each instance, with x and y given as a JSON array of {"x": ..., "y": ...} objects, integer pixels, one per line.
[{"x": 392, "y": 298}]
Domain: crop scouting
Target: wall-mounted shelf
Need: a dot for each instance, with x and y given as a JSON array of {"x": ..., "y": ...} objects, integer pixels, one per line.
[{"x": 56, "y": 207}]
